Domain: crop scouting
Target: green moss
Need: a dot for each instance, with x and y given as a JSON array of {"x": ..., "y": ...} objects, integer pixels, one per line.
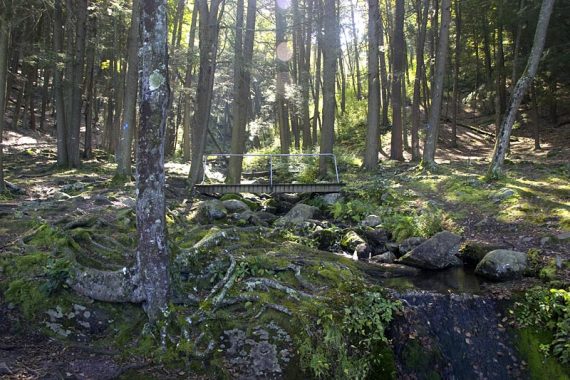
[
  {"x": 28, "y": 296},
  {"x": 417, "y": 358},
  {"x": 549, "y": 272},
  {"x": 529, "y": 343}
]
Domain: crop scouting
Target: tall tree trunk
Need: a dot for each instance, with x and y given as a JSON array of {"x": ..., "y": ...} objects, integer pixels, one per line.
[
  {"x": 330, "y": 55},
  {"x": 535, "y": 117},
  {"x": 5, "y": 26},
  {"x": 373, "y": 116},
  {"x": 208, "y": 36},
  {"x": 383, "y": 74},
  {"x": 487, "y": 49},
  {"x": 516, "y": 46},
  {"x": 501, "y": 146},
  {"x": 60, "y": 113},
  {"x": 342, "y": 84},
  {"x": 500, "y": 72},
  {"x": 432, "y": 127},
  {"x": 152, "y": 252},
  {"x": 187, "y": 84},
  {"x": 305, "y": 76},
  {"x": 90, "y": 88},
  {"x": 73, "y": 151},
  {"x": 422, "y": 14},
  {"x": 240, "y": 106},
  {"x": 455, "y": 100},
  {"x": 282, "y": 77},
  {"x": 397, "y": 151},
  {"x": 356, "y": 53},
  {"x": 317, "y": 83},
  {"x": 125, "y": 143}
]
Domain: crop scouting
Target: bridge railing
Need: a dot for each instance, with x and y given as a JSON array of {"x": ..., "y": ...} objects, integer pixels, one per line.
[{"x": 271, "y": 161}]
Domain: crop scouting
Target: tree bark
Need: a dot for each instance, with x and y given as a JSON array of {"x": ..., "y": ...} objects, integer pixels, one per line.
[
  {"x": 420, "y": 68},
  {"x": 535, "y": 116},
  {"x": 330, "y": 55},
  {"x": 373, "y": 117},
  {"x": 455, "y": 97},
  {"x": 91, "y": 99},
  {"x": 432, "y": 127},
  {"x": 60, "y": 113},
  {"x": 152, "y": 252},
  {"x": 282, "y": 78},
  {"x": 209, "y": 21},
  {"x": 241, "y": 101},
  {"x": 496, "y": 166},
  {"x": 187, "y": 84},
  {"x": 124, "y": 146},
  {"x": 500, "y": 72},
  {"x": 383, "y": 74},
  {"x": 397, "y": 151},
  {"x": 356, "y": 53},
  {"x": 5, "y": 26}
]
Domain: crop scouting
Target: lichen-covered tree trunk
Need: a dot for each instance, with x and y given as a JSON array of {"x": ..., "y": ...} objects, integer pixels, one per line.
[
  {"x": 124, "y": 145},
  {"x": 330, "y": 55},
  {"x": 397, "y": 151},
  {"x": 432, "y": 127},
  {"x": 152, "y": 253},
  {"x": 496, "y": 166},
  {"x": 373, "y": 118},
  {"x": 422, "y": 15}
]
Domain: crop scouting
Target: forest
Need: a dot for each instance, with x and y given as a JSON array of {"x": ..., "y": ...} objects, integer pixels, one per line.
[{"x": 284, "y": 189}]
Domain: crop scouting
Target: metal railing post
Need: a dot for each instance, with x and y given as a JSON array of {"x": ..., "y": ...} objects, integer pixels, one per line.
[
  {"x": 336, "y": 169},
  {"x": 271, "y": 170}
]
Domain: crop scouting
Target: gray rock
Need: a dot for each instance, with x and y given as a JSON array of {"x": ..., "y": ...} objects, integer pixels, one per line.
[
  {"x": 371, "y": 221},
  {"x": 251, "y": 217},
  {"x": 297, "y": 215},
  {"x": 393, "y": 247},
  {"x": 435, "y": 253},
  {"x": 472, "y": 251},
  {"x": 211, "y": 210},
  {"x": 352, "y": 242},
  {"x": 502, "y": 194},
  {"x": 266, "y": 216},
  {"x": 331, "y": 198},
  {"x": 388, "y": 270},
  {"x": 386, "y": 257},
  {"x": 502, "y": 264},
  {"x": 410, "y": 243},
  {"x": 4, "y": 369},
  {"x": 563, "y": 236},
  {"x": 235, "y": 205}
]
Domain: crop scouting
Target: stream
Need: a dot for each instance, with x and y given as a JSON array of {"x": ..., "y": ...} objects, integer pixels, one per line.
[{"x": 450, "y": 329}]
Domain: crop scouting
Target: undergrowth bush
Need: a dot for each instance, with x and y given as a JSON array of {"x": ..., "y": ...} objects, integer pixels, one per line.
[{"x": 548, "y": 309}]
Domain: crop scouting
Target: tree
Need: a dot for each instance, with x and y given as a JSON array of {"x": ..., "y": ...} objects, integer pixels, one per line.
[
  {"x": 330, "y": 56},
  {"x": 396, "y": 151},
  {"x": 373, "y": 117},
  {"x": 432, "y": 128},
  {"x": 496, "y": 166},
  {"x": 126, "y": 133},
  {"x": 209, "y": 20},
  {"x": 456, "y": 67},
  {"x": 282, "y": 77},
  {"x": 422, "y": 16},
  {"x": 152, "y": 253},
  {"x": 242, "y": 75},
  {"x": 5, "y": 16}
]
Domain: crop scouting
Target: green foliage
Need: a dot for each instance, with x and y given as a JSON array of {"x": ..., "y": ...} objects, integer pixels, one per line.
[
  {"x": 28, "y": 296},
  {"x": 425, "y": 223},
  {"x": 354, "y": 210},
  {"x": 344, "y": 338},
  {"x": 548, "y": 309}
]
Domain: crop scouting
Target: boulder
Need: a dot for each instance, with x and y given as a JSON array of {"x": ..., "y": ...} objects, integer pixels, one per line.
[
  {"x": 250, "y": 217},
  {"x": 352, "y": 242},
  {"x": 299, "y": 214},
  {"x": 386, "y": 257},
  {"x": 235, "y": 205},
  {"x": 330, "y": 198},
  {"x": 371, "y": 221},
  {"x": 377, "y": 238},
  {"x": 211, "y": 210},
  {"x": 502, "y": 265},
  {"x": 410, "y": 243},
  {"x": 388, "y": 270},
  {"x": 472, "y": 251},
  {"x": 503, "y": 194},
  {"x": 439, "y": 252},
  {"x": 326, "y": 238},
  {"x": 265, "y": 216}
]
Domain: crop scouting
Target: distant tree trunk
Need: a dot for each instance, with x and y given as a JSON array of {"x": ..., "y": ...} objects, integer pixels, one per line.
[
  {"x": 455, "y": 100},
  {"x": 125, "y": 143},
  {"x": 432, "y": 127},
  {"x": 500, "y": 72},
  {"x": 5, "y": 26},
  {"x": 373, "y": 116},
  {"x": 420, "y": 68},
  {"x": 497, "y": 162},
  {"x": 73, "y": 150},
  {"x": 516, "y": 47},
  {"x": 397, "y": 151},
  {"x": 91, "y": 99},
  {"x": 282, "y": 78},
  {"x": 535, "y": 116},
  {"x": 356, "y": 53},
  {"x": 208, "y": 36},
  {"x": 383, "y": 74},
  {"x": 305, "y": 76},
  {"x": 187, "y": 84},
  {"x": 330, "y": 55},
  {"x": 317, "y": 83},
  {"x": 487, "y": 49},
  {"x": 342, "y": 85},
  {"x": 240, "y": 106},
  {"x": 60, "y": 108},
  {"x": 152, "y": 252}
]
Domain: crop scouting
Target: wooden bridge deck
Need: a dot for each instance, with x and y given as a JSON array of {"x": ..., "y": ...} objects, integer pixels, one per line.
[{"x": 270, "y": 188}]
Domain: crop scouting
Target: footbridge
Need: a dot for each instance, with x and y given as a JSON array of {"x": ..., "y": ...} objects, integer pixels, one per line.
[{"x": 270, "y": 173}]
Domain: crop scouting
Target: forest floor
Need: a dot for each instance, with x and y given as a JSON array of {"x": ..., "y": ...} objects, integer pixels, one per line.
[{"x": 528, "y": 209}]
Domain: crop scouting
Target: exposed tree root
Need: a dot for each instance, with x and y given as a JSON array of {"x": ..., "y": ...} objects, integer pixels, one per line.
[{"x": 257, "y": 282}]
